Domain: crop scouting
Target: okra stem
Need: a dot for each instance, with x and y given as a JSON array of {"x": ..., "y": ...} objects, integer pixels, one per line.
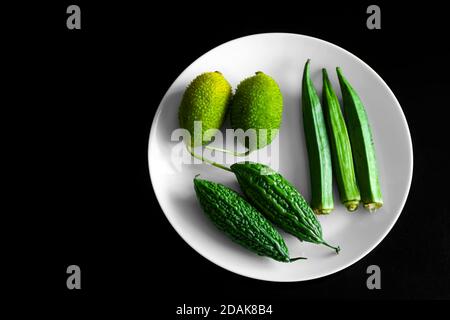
[
  {"x": 373, "y": 206},
  {"x": 351, "y": 205},
  {"x": 322, "y": 211}
]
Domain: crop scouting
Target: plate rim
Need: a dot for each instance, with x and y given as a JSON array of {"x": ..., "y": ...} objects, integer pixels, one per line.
[{"x": 334, "y": 270}]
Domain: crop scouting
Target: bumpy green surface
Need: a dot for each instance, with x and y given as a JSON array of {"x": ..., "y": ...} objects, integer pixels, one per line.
[
  {"x": 258, "y": 104},
  {"x": 233, "y": 215},
  {"x": 206, "y": 99},
  {"x": 278, "y": 200},
  {"x": 362, "y": 145}
]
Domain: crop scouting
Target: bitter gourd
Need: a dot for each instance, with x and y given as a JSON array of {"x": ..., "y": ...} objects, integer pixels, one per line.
[
  {"x": 233, "y": 215},
  {"x": 362, "y": 145},
  {"x": 279, "y": 201},
  {"x": 318, "y": 148},
  {"x": 341, "y": 152}
]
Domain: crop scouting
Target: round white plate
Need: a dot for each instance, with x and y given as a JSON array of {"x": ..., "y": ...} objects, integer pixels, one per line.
[{"x": 283, "y": 56}]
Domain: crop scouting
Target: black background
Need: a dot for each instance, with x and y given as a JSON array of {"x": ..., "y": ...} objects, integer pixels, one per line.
[{"x": 85, "y": 100}]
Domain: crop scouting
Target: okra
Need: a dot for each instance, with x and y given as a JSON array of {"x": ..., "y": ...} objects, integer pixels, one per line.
[
  {"x": 362, "y": 145},
  {"x": 341, "y": 152},
  {"x": 318, "y": 148}
]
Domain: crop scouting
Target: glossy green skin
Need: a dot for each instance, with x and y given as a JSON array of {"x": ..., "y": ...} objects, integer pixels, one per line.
[
  {"x": 341, "y": 151},
  {"x": 257, "y": 104},
  {"x": 278, "y": 200},
  {"x": 206, "y": 99},
  {"x": 362, "y": 145},
  {"x": 318, "y": 147},
  {"x": 233, "y": 215}
]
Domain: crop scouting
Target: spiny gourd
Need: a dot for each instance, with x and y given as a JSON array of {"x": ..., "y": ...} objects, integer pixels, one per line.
[
  {"x": 206, "y": 99},
  {"x": 257, "y": 104}
]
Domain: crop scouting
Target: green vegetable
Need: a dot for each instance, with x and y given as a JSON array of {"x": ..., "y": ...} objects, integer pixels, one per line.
[
  {"x": 318, "y": 147},
  {"x": 206, "y": 99},
  {"x": 362, "y": 145},
  {"x": 240, "y": 221},
  {"x": 257, "y": 104},
  {"x": 279, "y": 201},
  {"x": 341, "y": 151}
]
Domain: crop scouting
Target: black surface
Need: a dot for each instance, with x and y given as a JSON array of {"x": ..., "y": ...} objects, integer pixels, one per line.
[{"x": 86, "y": 100}]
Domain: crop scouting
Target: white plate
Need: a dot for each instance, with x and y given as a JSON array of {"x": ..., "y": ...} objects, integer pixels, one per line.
[{"x": 283, "y": 56}]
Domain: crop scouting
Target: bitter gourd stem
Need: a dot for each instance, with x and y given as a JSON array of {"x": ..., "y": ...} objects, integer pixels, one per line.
[
  {"x": 218, "y": 165},
  {"x": 337, "y": 249},
  {"x": 298, "y": 258},
  {"x": 236, "y": 154}
]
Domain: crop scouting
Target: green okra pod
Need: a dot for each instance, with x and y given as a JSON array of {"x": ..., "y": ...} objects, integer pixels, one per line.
[
  {"x": 318, "y": 148},
  {"x": 363, "y": 149},
  {"x": 341, "y": 152}
]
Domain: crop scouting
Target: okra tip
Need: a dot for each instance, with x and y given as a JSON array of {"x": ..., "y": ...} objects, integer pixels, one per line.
[
  {"x": 339, "y": 72},
  {"x": 341, "y": 77}
]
